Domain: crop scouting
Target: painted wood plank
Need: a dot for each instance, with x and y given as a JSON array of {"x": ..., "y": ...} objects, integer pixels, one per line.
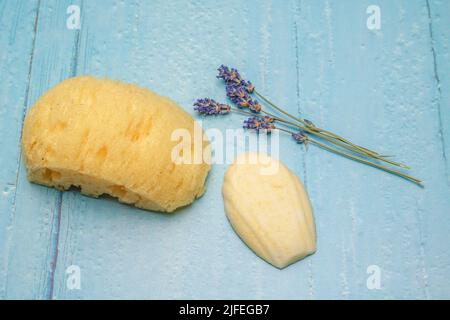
[
  {"x": 439, "y": 20},
  {"x": 17, "y": 24},
  {"x": 33, "y": 229},
  {"x": 438, "y": 259},
  {"x": 376, "y": 87}
]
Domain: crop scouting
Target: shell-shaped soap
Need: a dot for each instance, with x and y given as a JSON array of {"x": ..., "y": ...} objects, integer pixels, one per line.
[{"x": 269, "y": 209}]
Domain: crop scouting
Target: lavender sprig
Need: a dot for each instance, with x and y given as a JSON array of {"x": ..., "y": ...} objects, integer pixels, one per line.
[
  {"x": 232, "y": 77},
  {"x": 266, "y": 124},
  {"x": 237, "y": 89}
]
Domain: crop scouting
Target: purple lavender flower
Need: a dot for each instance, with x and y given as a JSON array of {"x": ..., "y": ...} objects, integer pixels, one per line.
[
  {"x": 232, "y": 76},
  {"x": 209, "y": 107},
  {"x": 259, "y": 123},
  {"x": 300, "y": 137},
  {"x": 241, "y": 98}
]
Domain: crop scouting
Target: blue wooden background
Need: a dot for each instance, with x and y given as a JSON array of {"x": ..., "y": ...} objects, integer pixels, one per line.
[{"x": 388, "y": 89}]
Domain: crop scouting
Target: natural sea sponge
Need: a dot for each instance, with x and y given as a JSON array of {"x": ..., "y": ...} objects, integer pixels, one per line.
[
  {"x": 269, "y": 209},
  {"x": 108, "y": 137}
]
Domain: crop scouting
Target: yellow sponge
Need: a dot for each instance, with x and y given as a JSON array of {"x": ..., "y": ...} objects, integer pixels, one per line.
[{"x": 108, "y": 137}]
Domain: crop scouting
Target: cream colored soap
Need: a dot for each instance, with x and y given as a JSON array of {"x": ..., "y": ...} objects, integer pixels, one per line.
[
  {"x": 269, "y": 209},
  {"x": 109, "y": 137}
]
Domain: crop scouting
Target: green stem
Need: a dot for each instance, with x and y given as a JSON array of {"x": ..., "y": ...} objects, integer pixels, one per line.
[
  {"x": 335, "y": 136},
  {"x": 368, "y": 151},
  {"x": 319, "y": 134},
  {"x": 279, "y": 109},
  {"x": 243, "y": 112},
  {"x": 350, "y": 156},
  {"x": 401, "y": 174},
  {"x": 338, "y": 142}
]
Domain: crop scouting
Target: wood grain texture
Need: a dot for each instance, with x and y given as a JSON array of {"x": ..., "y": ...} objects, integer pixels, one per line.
[
  {"x": 387, "y": 89},
  {"x": 439, "y": 20},
  {"x": 32, "y": 246}
]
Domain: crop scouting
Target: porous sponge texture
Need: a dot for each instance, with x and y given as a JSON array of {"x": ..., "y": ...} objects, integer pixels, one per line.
[{"x": 108, "y": 137}]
